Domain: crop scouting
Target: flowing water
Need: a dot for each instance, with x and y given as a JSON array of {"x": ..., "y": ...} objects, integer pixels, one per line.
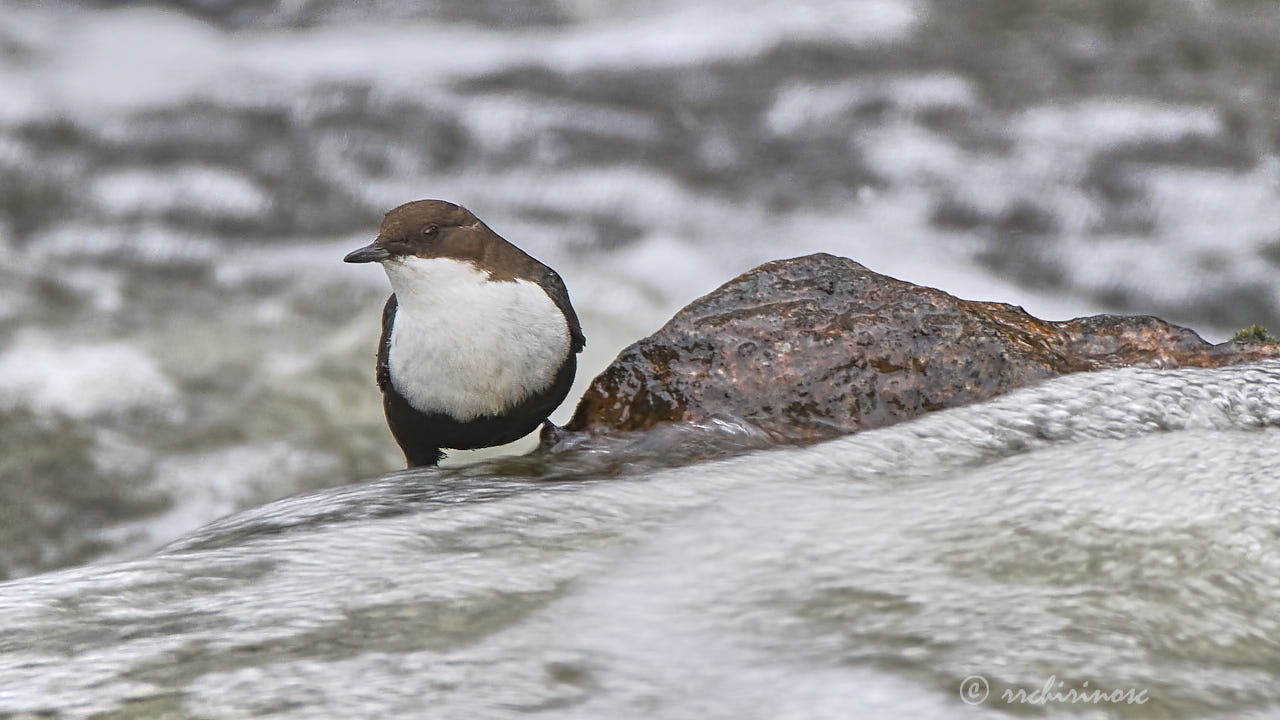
[
  {"x": 179, "y": 340},
  {"x": 1112, "y": 531}
]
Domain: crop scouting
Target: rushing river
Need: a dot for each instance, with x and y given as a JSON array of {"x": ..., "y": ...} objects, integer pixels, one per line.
[
  {"x": 1114, "y": 531},
  {"x": 179, "y": 340}
]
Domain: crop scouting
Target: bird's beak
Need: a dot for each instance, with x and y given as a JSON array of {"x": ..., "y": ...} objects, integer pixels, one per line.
[{"x": 368, "y": 253}]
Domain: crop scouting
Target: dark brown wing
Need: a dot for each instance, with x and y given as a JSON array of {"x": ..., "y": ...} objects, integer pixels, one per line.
[
  {"x": 384, "y": 346},
  {"x": 555, "y": 288}
]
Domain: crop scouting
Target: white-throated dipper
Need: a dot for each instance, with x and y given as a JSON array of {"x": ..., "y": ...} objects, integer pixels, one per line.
[{"x": 479, "y": 340}]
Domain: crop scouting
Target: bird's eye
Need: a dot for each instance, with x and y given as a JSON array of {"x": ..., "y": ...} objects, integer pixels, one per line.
[{"x": 430, "y": 231}]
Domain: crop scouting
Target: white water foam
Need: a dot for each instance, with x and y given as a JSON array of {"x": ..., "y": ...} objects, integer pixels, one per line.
[
  {"x": 85, "y": 380},
  {"x": 124, "y": 59}
]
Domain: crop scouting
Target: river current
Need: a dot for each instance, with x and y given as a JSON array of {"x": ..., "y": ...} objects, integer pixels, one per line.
[{"x": 1112, "y": 531}]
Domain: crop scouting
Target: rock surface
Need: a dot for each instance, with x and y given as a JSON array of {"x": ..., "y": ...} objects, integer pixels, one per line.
[{"x": 818, "y": 346}]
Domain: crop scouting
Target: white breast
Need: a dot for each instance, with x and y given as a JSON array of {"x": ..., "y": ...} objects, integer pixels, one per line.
[{"x": 467, "y": 345}]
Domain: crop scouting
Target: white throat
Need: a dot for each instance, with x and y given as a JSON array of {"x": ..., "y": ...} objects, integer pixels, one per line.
[{"x": 466, "y": 345}]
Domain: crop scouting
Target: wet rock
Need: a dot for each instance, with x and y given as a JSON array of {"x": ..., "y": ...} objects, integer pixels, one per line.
[{"x": 818, "y": 346}]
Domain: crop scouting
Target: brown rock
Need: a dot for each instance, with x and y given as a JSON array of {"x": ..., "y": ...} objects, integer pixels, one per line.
[{"x": 819, "y": 346}]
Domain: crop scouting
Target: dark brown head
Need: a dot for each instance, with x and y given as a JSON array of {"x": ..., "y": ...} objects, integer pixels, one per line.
[
  {"x": 435, "y": 229},
  {"x": 426, "y": 228}
]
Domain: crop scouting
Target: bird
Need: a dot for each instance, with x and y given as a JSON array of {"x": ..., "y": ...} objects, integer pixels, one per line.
[{"x": 479, "y": 340}]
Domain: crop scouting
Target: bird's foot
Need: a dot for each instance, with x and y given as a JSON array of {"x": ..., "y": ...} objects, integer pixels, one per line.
[{"x": 549, "y": 436}]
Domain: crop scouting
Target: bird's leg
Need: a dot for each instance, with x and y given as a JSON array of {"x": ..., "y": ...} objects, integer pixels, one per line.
[{"x": 424, "y": 457}]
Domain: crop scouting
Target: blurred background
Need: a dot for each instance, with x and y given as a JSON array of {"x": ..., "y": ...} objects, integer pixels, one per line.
[{"x": 180, "y": 339}]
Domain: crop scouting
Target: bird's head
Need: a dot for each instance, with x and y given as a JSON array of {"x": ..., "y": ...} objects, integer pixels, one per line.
[{"x": 426, "y": 229}]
